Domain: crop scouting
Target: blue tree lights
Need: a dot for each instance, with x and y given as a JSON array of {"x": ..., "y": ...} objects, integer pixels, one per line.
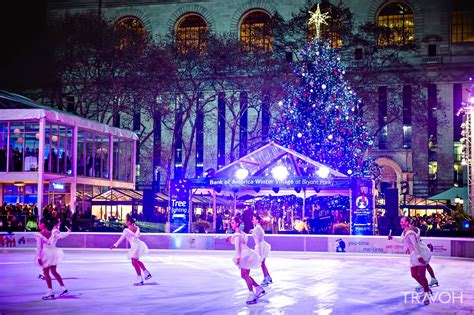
[{"x": 320, "y": 117}]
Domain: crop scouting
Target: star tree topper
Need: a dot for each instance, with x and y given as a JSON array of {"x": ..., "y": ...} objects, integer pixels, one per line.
[{"x": 317, "y": 18}]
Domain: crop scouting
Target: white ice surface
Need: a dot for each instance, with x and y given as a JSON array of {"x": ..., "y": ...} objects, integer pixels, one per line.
[{"x": 207, "y": 282}]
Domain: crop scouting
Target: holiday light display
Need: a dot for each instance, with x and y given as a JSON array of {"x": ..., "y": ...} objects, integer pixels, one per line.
[{"x": 320, "y": 117}]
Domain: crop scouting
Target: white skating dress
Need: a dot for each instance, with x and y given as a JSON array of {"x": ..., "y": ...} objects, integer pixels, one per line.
[
  {"x": 46, "y": 249},
  {"x": 416, "y": 248},
  {"x": 138, "y": 248},
  {"x": 249, "y": 259},
  {"x": 53, "y": 239},
  {"x": 261, "y": 246}
]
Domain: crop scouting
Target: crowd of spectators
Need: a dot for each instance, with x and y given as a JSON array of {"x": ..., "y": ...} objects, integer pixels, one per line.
[
  {"x": 19, "y": 160},
  {"x": 436, "y": 221},
  {"x": 18, "y": 217},
  {"x": 435, "y": 224},
  {"x": 27, "y": 160},
  {"x": 22, "y": 217}
]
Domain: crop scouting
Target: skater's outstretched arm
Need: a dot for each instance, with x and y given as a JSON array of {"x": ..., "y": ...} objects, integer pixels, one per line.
[
  {"x": 58, "y": 235},
  {"x": 396, "y": 240},
  {"x": 124, "y": 233}
]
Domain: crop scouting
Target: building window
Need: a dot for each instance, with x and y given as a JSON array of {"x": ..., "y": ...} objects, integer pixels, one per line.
[
  {"x": 122, "y": 157},
  {"x": 256, "y": 31},
  {"x": 191, "y": 33},
  {"x": 432, "y": 113},
  {"x": 432, "y": 137},
  {"x": 395, "y": 25},
  {"x": 358, "y": 54},
  {"x": 462, "y": 21},
  {"x": 131, "y": 31},
  {"x": 331, "y": 31},
  {"x": 221, "y": 127},
  {"x": 3, "y": 146},
  {"x": 432, "y": 171},
  {"x": 457, "y": 129},
  {"x": 24, "y": 194},
  {"x": 383, "y": 117},
  {"x": 431, "y": 50},
  {"x": 407, "y": 128}
]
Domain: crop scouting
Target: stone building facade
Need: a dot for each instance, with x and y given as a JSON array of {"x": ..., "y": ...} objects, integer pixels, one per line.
[{"x": 423, "y": 148}]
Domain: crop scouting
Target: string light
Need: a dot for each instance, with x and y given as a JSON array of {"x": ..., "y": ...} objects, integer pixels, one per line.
[{"x": 319, "y": 118}]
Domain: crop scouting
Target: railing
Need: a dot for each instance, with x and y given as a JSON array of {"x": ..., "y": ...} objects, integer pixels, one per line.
[{"x": 432, "y": 60}]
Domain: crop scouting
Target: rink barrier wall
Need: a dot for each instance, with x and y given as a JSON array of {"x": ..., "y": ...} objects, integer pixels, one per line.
[{"x": 449, "y": 247}]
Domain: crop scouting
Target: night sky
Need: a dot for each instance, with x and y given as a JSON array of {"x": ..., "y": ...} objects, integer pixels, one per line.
[{"x": 22, "y": 57}]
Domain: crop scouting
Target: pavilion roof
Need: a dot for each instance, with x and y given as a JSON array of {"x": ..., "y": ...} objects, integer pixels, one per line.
[{"x": 260, "y": 162}]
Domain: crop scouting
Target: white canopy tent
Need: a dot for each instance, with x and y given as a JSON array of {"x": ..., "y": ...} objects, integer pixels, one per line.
[{"x": 261, "y": 164}]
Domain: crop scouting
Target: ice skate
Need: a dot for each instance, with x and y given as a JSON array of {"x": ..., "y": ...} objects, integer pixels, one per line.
[
  {"x": 251, "y": 299},
  {"x": 64, "y": 291},
  {"x": 266, "y": 282},
  {"x": 41, "y": 277},
  {"x": 433, "y": 283},
  {"x": 138, "y": 282},
  {"x": 48, "y": 296},
  {"x": 147, "y": 275},
  {"x": 426, "y": 298},
  {"x": 259, "y": 292},
  {"x": 419, "y": 288}
]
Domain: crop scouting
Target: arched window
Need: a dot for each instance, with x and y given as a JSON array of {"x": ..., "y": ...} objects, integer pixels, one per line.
[
  {"x": 462, "y": 21},
  {"x": 191, "y": 33},
  {"x": 395, "y": 25},
  {"x": 132, "y": 31},
  {"x": 333, "y": 30},
  {"x": 256, "y": 31}
]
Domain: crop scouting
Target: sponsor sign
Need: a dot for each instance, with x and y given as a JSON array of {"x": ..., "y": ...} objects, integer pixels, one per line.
[
  {"x": 362, "y": 210},
  {"x": 381, "y": 245},
  {"x": 289, "y": 182},
  {"x": 57, "y": 186},
  {"x": 179, "y": 206}
]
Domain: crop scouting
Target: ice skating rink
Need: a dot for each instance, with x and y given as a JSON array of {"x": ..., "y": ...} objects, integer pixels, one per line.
[{"x": 207, "y": 282}]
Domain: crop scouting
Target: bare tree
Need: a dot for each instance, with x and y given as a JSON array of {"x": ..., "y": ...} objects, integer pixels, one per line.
[
  {"x": 108, "y": 73},
  {"x": 94, "y": 61},
  {"x": 249, "y": 79}
]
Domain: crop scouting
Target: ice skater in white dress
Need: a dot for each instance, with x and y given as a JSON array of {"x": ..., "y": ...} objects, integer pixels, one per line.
[
  {"x": 138, "y": 249},
  {"x": 48, "y": 256},
  {"x": 246, "y": 259},
  {"x": 433, "y": 282},
  {"x": 261, "y": 247},
  {"x": 420, "y": 255}
]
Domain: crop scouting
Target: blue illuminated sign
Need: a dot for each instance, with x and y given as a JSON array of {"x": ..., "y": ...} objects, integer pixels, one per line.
[
  {"x": 362, "y": 212},
  {"x": 179, "y": 206},
  {"x": 57, "y": 187}
]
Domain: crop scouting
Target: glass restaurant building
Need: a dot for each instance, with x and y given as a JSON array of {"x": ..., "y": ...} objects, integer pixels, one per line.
[{"x": 53, "y": 157}]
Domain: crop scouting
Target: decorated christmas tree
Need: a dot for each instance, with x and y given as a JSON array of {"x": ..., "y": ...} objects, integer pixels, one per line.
[{"x": 320, "y": 116}]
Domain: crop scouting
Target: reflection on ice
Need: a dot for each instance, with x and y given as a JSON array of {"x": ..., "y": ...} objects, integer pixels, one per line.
[{"x": 207, "y": 282}]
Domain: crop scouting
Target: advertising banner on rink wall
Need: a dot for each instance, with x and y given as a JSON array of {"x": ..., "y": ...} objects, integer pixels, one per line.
[
  {"x": 179, "y": 206},
  {"x": 17, "y": 239},
  {"x": 381, "y": 245},
  {"x": 362, "y": 208},
  {"x": 332, "y": 243}
]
